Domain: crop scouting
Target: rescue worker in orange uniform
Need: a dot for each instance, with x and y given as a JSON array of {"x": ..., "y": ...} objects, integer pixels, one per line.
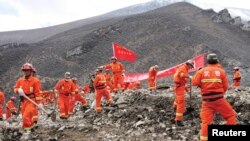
[
  {"x": 108, "y": 80},
  {"x": 31, "y": 88},
  {"x": 2, "y": 99},
  {"x": 236, "y": 77},
  {"x": 10, "y": 108},
  {"x": 64, "y": 88},
  {"x": 213, "y": 83},
  {"x": 152, "y": 77},
  {"x": 51, "y": 96},
  {"x": 77, "y": 97},
  {"x": 118, "y": 73},
  {"x": 85, "y": 89},
  {"x": 180, "y": 79},
  {"x": 101, "y": 90},
  {"x": 45, "y": 99}
]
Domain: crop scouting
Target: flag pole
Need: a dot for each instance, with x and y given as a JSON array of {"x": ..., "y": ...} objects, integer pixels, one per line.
[{"x": 113, "y": 49}]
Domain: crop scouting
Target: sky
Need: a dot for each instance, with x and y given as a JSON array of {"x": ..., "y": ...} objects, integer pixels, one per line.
[{"x": 30, "y": 14}]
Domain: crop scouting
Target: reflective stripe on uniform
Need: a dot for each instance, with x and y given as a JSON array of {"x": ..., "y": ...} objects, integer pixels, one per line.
[
  {"x": 211, "y": 80},
  {"x": 179, "y": 114},
  {"x": 203, "y": 138}
]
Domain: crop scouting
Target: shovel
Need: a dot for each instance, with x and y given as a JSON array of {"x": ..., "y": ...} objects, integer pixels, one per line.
[
  {"x": 190, "y": 108},
  {"x": 52, "y": 115}
]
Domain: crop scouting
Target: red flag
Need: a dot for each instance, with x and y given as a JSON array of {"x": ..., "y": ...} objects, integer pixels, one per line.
[
  {"x": 123, "y": 53},
  {"x": 198, "y": 63}
]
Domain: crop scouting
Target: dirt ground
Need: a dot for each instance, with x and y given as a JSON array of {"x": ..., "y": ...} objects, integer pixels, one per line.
[{"x": 140, "y": 116}]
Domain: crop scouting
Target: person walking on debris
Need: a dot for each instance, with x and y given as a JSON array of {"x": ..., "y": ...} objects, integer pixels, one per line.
[
  {"x": 118, "y": 73},
  {"x": 31, "y": 88},
  {"x": 180, "y": 79},
  {"x": 101, "y": 90},
  {"x": 77, "y": 97},
  {"x": 152, "y": 77},
  {"x": 213, "y": 83},
  {"x": 236, "y": 77},
  {"x": 108, "y": 80},
  {"x": 64, "y": 89},
  {"x": 2, "y": 99},
  {"x": 10, "y": 108}
]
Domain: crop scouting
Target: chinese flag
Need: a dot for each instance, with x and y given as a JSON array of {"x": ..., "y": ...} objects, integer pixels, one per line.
[{"x": 123, "y": 53}]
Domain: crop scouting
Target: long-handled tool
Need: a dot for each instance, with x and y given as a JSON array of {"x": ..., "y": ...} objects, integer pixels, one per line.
[
  {"x": 51, "y": 115},
  {"x": 190, "y": 108}
]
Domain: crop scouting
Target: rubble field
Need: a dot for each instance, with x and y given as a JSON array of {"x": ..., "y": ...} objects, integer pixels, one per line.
[{"x": 139, "y": 116}]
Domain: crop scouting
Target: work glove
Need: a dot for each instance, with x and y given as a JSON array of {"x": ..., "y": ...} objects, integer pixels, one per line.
[{"x": 20, "y": 92}]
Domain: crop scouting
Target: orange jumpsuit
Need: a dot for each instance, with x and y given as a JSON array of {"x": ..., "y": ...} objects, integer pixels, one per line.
[
  {"x": 45, "y": 97},
  {"x": 236, "y": 78},
  {"x": 38, "y": 100},
  {"x": 101, "y": 90},
  {"x": 118, "y": 78},
  {"x": 108, "y": 81},
  {"x": 51, "y": 97},
  {"x": 180, "y": 79},
  {"x": 152, "y": 78},
  {"x": 76, "y": 97},
  {"x": 213, "y": 83},
  {"x": 2, "y": 99},
  {"x": 86, "y": 89},
  {"x": 65, "y": 88},
  {"x": 31, "y": 88},
  {"x": 10, "y": 109}
]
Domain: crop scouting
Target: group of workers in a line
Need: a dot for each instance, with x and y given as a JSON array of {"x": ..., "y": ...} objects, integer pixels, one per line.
[{"x": 212, "y": 80}]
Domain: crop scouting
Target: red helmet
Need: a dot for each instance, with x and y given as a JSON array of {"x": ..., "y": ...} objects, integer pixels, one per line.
[
  {"x": 13, "y": 98},
  {"x": 236, "y": 68},
  {"x": 113, "y": 58},
  {"x": 27, "y": 66}
]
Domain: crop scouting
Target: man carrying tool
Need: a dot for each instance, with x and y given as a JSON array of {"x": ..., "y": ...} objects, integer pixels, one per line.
[
  {"x": 152, "y": 72},
  {"x": 31, "y": 88},
  {"x": 236, "y": 77},
  {"x": 213, "y": 83},
  {"x": 10, "y": 108},
  {"x": 180, "y": 80},
  {"x": 77, "y": 97},
  {"x": 118, "y": 73},
  {"x": 101, "y": 90},
  {"x": 2, "y": 99},
  {"x": 64, "y": 88}
]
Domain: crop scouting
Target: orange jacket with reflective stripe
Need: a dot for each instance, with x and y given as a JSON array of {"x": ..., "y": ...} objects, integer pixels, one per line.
[
  {"x": 10, "y": 106},
  {"x": 211, "y": 79},
  {"x": 237, "y": 76},
  {"x": 181, "y": 75},
  {"x": 100, "y": 80},
  {"x": 2, "y": 98},
  {"x": 116, "y": 67},
  {"x": 108, "y": 77},
  {"x": 30, "y": 86},
  {"x": 152, "y": 73},
  {"x": 65, "y": 87}
]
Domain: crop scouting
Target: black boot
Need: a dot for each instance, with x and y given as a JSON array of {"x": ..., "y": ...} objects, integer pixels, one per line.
[{"x": 179, "y": 123}]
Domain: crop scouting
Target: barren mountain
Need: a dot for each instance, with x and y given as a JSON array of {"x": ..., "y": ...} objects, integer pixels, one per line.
[{"x": 166, "y": 36}]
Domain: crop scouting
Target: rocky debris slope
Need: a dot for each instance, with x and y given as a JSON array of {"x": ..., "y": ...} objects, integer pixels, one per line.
[{"x": 140, "y": 116}]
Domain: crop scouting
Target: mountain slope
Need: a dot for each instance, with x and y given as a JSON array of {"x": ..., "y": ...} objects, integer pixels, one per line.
[{"x": 166, "y": 36}]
